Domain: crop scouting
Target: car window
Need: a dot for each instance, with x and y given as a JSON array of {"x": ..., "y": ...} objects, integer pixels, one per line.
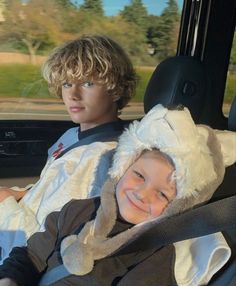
[
  {"x": 230, "y": 89},
  {"x": 30, "y": 29}
]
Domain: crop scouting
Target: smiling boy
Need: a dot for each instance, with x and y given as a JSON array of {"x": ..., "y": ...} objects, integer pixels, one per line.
[{"x": 146, "y": 188}]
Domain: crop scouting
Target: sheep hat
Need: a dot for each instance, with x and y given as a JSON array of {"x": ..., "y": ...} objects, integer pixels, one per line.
[{"x": 200, "y": 155}]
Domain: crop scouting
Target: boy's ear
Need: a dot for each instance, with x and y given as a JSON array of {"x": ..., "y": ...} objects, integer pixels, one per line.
[{"x": 115, "y": 97}]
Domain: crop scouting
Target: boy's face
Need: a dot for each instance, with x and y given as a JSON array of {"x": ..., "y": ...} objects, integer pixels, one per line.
[
  {"x": 146, "y": 188},
  {"x": 88, "y": 104}
]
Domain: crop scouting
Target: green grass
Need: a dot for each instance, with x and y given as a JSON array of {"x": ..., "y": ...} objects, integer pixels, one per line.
[
  {"x": 144, "y": 75},
  {"x": 25, "y": 81},
  {"x": 22, "y": 81},
  {"x": 230, "y": 90}
]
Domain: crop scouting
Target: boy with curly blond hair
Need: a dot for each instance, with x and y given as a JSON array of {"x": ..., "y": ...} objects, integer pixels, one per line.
[{"x": 95, "y": 79}]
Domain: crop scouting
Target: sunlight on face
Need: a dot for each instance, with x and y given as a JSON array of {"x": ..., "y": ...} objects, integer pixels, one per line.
[
  {"x": 146, "y": 188},
  {"x": 88, "y": 103}
]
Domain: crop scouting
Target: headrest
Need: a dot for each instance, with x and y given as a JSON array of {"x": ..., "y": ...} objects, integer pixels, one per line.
[{"x": 178, "y": 80}]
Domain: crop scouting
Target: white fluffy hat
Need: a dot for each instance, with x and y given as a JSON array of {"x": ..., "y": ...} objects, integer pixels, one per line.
[{"x": 200, "y": 155}]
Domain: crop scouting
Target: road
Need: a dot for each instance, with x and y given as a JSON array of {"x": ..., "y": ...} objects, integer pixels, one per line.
[
  {"x": 51, "y": 110},
  {"x": 54, "y": 109}
]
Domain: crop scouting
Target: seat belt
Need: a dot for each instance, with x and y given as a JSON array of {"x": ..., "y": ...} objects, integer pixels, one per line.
[
  {"x": 203, "y": 220},
  {"x": 210, "y": 218},
  {"x": 100, "y": 137},
  {"x": 54, "y": 275}
]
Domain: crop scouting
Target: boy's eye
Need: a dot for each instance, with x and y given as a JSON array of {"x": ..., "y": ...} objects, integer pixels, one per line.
[
  {"x": 163, "y": 196},
  {"x": 67, "y": 85},
  {"x": 87, "y": 84},
  {"x": 139, "y": 175}
]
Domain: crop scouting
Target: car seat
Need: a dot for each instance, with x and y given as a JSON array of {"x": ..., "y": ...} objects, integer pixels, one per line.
[{"x": 178, "y": 80}]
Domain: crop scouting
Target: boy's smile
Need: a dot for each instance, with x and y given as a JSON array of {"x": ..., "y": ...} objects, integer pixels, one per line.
[
  {"x": 136, "y": 202},
  {"x": 89, "y": 104},
  {"x": 146, "y": 188}
]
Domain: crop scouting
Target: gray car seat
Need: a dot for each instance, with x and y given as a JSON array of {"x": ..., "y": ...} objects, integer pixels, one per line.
[{"x": 178, "y": 80}]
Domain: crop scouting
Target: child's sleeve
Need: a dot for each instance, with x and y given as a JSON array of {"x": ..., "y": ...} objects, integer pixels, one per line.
[
  {"x": 15, "y": 222},
  {"x": 26, "y": 264}
]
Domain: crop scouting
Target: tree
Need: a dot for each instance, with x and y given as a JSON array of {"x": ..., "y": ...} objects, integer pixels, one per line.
[
  {"x": 233, "y": 55},
  {"x": 33, "y": 24},
  {"x": 2, "y": 8},
  {"x": 93, "y": 6},
  {"x": 129, "y": 36},
  {"x": 163, "y": 33},
  {"x": 135, "y": 13},
  {"x": 66, "y": 3},
  {"x": 152, "y": 30}
]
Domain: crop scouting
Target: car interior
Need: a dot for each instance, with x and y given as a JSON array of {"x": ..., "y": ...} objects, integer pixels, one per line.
[{"x": 195, "y": 77}]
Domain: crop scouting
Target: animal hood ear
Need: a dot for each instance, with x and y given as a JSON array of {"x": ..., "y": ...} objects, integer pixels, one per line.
[{"x": 227, "y": 140}]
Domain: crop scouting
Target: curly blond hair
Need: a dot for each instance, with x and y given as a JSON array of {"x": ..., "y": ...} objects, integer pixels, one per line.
[{"x": 93, "y": 57}]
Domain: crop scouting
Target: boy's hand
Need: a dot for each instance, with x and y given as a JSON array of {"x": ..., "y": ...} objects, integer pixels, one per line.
[
  {"x": 8, "y": 192},
  {"x": 7, "y": 282}
]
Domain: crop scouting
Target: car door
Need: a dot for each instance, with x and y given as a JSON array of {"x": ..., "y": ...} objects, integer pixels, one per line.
[{"x": 23, "y": 148}]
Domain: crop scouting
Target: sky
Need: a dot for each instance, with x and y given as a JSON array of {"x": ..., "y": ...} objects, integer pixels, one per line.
[{"x": 155, "y": 7}]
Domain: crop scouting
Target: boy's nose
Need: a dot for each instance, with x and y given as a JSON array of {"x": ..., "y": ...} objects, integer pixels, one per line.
[
  {"x": 144, "y": 193},
  {"x": 75, "y": 93}
]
